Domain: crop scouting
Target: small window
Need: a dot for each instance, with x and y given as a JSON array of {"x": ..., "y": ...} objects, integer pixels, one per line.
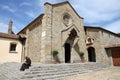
[{"x": 13, "y": 47}]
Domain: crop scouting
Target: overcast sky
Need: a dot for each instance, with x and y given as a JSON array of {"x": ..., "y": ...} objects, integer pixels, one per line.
[{"x": 101, "y": 13}]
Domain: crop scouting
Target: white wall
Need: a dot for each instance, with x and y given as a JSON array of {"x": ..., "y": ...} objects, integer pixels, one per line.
[{"x": 6, "y": 55}]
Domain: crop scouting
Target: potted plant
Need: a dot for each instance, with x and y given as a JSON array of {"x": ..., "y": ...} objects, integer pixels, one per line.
[
  {"x": 81, "y": 56},
  {"x": 81, "y": 53},
  {"x": 54, "y": 53}
]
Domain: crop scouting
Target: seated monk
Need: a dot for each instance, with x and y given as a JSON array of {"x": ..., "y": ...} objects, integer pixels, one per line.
[{"x": 26, "y": 64}]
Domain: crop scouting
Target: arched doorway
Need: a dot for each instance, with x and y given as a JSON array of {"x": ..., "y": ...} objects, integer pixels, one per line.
[
  {"x": 67, "y": 53},
  {"x": 91, "y": 54}
]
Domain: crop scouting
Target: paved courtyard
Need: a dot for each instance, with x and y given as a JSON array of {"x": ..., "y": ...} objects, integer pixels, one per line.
[
  {"x": 10, "y": 71},
  {"x": 108, "y": 74}
]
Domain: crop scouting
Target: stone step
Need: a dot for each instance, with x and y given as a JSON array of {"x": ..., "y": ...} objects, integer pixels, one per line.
[
  {"x": 53, "y": 71},
  {"x": 52, "y": 76},
  {"x": 10, "y": 71}
]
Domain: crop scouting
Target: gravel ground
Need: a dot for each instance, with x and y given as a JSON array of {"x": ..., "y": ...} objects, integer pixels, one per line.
[{"x": 108, "y": 74}]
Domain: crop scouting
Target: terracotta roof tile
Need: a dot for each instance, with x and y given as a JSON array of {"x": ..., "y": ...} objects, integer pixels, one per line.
[{"x": 9, "y": 36}]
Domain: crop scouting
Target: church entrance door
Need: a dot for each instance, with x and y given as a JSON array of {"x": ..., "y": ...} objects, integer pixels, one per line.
[
  {"x": 91, "y": 54},
  {"x": 67, "y": 53}
]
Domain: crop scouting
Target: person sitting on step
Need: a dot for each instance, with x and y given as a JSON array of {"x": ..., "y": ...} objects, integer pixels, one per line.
[{"x": 26, "y": 64}]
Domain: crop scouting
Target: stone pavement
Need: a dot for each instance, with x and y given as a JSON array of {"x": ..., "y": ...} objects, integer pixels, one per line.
[
  {"x": 76, "y": 71},
  {"x": 112, "y": 73},
  {"x": 10, "y": 71}
]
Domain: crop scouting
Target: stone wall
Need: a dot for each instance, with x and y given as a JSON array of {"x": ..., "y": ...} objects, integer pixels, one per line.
[
  {"x": 95, "y": 34},
  {"x": 102, "y": 38},
  {"x": 106, "y": 40},
  {"x": 34, "y": 43},
  {"x": 46, "y": 44}
]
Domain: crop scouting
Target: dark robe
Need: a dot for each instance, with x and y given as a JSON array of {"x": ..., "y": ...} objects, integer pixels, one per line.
[{"x": 26, "y": 65}]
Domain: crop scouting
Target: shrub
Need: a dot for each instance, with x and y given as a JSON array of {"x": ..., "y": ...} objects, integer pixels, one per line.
[
  {"x": 81, "y": 53},
  {"x": 54, "y": 52}
]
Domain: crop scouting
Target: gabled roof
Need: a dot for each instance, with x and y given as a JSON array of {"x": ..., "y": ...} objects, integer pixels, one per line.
[
  {"x": 29, "y": 25},
  {"x": 100, "y": 28},
  {"x": 65, "y": 2},
  {"x": 9, "y": 36},
  {"x": 40, "y": 17}
]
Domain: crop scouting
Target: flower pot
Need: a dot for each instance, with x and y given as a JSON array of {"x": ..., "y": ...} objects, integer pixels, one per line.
[
  {"x": 82, "y": 61},
  {"x": 54, "y": 62}
]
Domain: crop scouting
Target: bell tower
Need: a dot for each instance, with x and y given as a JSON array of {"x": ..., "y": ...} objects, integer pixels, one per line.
[{"x": 10, "y": 27}]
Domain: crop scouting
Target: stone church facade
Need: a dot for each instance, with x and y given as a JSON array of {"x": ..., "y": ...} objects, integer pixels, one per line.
[
  {"x": 53, "y": 31},
  {"x": 61, "y": 28}
]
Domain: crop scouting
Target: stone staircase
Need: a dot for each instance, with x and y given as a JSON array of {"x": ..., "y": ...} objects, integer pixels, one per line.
[
  {"x": 59, "y": 71},
  {"x": 10, "y": 71}
]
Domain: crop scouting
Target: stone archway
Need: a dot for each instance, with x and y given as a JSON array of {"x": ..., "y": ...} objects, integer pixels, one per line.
[
  {"x": 69, "y": 43},
  {"x": 70, "y": 36},
  {"x": 91, "y": 54}
]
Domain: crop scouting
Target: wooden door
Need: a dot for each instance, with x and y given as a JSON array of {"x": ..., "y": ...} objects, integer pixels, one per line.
[{"x": 116, "y": 56}]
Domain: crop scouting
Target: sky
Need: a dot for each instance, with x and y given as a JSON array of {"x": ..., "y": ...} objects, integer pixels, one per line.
[{"x": 100, "y": 13}]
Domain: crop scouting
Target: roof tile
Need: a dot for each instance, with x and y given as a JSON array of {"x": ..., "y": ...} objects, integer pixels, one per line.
[{"x": 9, "y": 36}]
